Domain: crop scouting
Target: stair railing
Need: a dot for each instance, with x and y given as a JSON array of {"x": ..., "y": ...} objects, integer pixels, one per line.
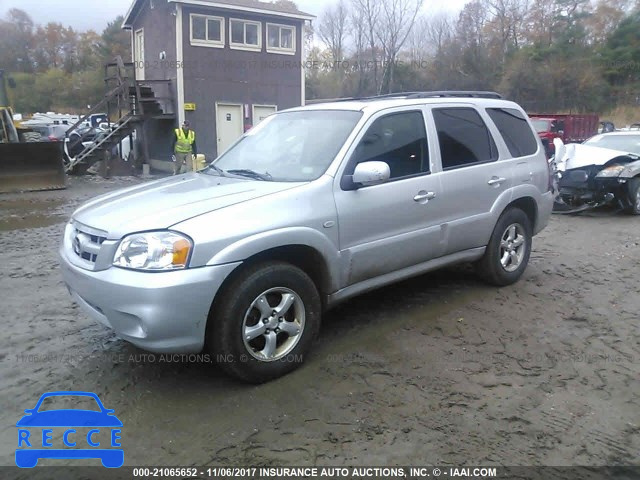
[{"x": 119, "y": 95}]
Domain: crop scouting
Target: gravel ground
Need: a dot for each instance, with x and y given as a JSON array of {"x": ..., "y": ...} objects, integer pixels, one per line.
[{"x": 440, "y": 369}]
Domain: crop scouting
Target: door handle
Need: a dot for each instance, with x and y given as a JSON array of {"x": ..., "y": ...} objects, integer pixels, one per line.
[
  {"x": 422, "y": 195},
  {"x": 496, "y": 180}
]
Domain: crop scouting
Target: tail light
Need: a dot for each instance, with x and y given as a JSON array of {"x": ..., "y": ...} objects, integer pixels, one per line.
[{"x": 52, "y": 138}]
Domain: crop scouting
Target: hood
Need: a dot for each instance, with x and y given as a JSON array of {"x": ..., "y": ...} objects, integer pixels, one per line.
[
  {"x": 577, "y": 155},
  {"x": 163, "y": 203}
]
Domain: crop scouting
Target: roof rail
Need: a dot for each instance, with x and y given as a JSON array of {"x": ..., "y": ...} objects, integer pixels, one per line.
[
  {"x": 413, "y": 95},
  {"x": 455, "y": 93}
]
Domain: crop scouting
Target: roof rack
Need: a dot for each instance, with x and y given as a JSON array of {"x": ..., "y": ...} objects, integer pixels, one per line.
[
  {"x": 455, "y": 93},
  {"x": 413, "y": 95}
]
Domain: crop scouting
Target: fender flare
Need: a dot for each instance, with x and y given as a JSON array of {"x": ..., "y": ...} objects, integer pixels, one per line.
[
  {"x": 514, "y": 194},
  {"x": 260, "y": 242}
]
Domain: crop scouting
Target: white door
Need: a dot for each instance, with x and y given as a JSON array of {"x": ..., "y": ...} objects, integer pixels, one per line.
[
  {"x": 260, "y": 112},
  {"x": 229, "y": 125},
  {"x": 139, "y": 54}
]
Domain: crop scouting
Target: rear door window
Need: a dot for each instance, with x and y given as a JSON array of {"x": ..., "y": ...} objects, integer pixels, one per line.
[
  {"x": 464, "y": 138},
  {"x": 515, "y": 131}
]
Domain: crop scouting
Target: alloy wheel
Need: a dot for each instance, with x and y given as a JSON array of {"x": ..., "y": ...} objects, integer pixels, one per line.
[
  {"x": 513, "y": 246},
  {"x": 273, "y": 324}
]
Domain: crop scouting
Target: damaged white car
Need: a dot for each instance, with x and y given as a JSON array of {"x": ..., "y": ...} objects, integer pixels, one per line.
[{"x": 603, "y": 170}]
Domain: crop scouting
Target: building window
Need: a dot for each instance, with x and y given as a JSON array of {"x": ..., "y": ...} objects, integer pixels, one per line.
[
  {"x": 245, "y": 35},
  {"x": 207, "y": 31},
  {"x": 281, "y": 39}
]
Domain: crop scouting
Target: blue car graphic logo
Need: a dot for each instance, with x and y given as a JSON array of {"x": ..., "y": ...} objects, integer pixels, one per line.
[{"x": 35, "y": 433}]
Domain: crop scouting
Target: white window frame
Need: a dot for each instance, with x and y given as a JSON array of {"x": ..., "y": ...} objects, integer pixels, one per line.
[
  {"x": 282, "y": 51},
  {"x": 245, "y": 46},
  {"x": 207, "y": 43}
]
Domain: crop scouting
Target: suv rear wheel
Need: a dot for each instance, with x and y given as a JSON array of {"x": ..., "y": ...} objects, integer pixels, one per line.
[
  {"x": 507, "y": 253},
  {"x": 265, "y": 322}
]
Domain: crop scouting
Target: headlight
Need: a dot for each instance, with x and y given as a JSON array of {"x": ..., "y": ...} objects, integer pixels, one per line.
[
  {"x": 612, "y": 171},
  {"x": 153, "y": 251}
]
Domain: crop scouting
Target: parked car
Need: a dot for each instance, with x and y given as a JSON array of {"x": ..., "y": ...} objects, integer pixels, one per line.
[
  {"x": 312, "y": 206},
  {"x": 603, "y": 170},
  {"x": 51, "y": 133},
  {"x": 570, "y": 128}
]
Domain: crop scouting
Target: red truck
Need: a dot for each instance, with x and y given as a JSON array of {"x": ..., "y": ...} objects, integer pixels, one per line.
[{"x": 570, "y": 128}]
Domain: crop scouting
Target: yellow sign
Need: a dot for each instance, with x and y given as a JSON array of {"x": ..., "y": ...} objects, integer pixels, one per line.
[{"x": 190, "y": 107}]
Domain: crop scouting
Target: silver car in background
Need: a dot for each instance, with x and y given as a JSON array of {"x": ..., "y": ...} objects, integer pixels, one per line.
[{"x": 311, "y": 207}]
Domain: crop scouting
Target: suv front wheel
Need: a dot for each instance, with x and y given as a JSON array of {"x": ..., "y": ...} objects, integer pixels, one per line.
[
  {"x": 507, "y": 253},
  {"x": 265, "y": 322}
]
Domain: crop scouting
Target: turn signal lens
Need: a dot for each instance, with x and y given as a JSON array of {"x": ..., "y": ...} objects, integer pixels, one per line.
[{"x": 181, "y": 249}]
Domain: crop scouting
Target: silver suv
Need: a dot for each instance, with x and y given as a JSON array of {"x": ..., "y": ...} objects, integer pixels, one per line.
[{"x": 313, "y": 206}]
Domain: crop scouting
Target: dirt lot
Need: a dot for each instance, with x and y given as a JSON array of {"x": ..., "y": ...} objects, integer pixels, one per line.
[{"x": 441, "y": 369}]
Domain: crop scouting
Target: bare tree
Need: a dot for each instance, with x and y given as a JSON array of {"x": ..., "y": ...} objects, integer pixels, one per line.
[
  {"x": 332, "y": 29},
  {"x": 440, "y": 30},
  {"x": 507, "y": 17},
  {"x": 369, "y": 14},
  {"x": 358, "y": 37},
  {"x": 396, "y": 22}
]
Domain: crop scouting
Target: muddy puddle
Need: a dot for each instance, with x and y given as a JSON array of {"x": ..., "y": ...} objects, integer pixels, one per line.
[{"x": 22, "y": 214}]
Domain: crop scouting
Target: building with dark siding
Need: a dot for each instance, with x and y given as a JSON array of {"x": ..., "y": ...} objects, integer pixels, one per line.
[{"x": 230, "y": 63}]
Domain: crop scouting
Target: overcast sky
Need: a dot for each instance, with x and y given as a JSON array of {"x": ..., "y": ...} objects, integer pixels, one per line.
[{"x": 95, "y": 14}]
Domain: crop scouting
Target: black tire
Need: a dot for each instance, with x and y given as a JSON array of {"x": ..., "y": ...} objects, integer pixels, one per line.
[
  {"x": 490, "y": 267},
  {"x": 225, "y": 328},
  {"x": 633, "y": 189},
  {"x": 31, "y": 137}
]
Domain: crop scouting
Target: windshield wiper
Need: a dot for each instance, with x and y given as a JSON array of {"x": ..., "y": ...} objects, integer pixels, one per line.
[
  {"x": 211, "y": 166},
  {"x": 251, "y": 174}
]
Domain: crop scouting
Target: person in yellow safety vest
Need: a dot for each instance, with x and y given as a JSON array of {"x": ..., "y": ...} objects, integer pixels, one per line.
[{"x": 184, "y": 148}]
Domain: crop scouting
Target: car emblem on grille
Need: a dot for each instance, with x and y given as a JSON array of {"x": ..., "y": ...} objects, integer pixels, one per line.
[
  {"x": 76, "y": 245},
  {"x": 80, "y": 243}
]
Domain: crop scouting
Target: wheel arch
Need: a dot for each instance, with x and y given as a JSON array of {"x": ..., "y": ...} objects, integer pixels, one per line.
[
  {"x": 529, "y": 206},
  {"x": 307, "y": 258}
]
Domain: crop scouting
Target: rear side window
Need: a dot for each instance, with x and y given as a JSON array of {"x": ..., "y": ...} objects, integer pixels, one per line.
[
  {"x": 464, "y": 138},
  {"x": 515, "y": 130}
]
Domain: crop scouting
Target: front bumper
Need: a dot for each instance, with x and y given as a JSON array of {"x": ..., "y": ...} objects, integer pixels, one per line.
[
  {"x": 582, "y": 187},
  {"x": 163, "y": 312}
]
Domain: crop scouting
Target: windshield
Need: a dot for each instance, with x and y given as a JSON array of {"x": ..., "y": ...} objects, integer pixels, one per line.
[
  {"x": 625, "y": 143},
  {"x": 540, "y": 125},
  {"x": 290, "y": 146}
]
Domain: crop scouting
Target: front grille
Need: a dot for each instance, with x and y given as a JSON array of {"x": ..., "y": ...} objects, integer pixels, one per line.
[{"x": 86, "y": 243}]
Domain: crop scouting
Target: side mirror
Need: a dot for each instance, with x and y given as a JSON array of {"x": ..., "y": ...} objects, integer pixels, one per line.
[{"x": 370, "y": 173}]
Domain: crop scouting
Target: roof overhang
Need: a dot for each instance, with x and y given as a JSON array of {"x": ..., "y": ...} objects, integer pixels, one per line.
[
  {"x": 240, "y": 8},
  {"x": 129, "y": 16},
  {"x": 137, "y": 4}
]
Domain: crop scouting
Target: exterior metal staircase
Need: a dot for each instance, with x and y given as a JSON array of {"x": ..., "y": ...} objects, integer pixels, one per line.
[{"x": 129, "y": 105}]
